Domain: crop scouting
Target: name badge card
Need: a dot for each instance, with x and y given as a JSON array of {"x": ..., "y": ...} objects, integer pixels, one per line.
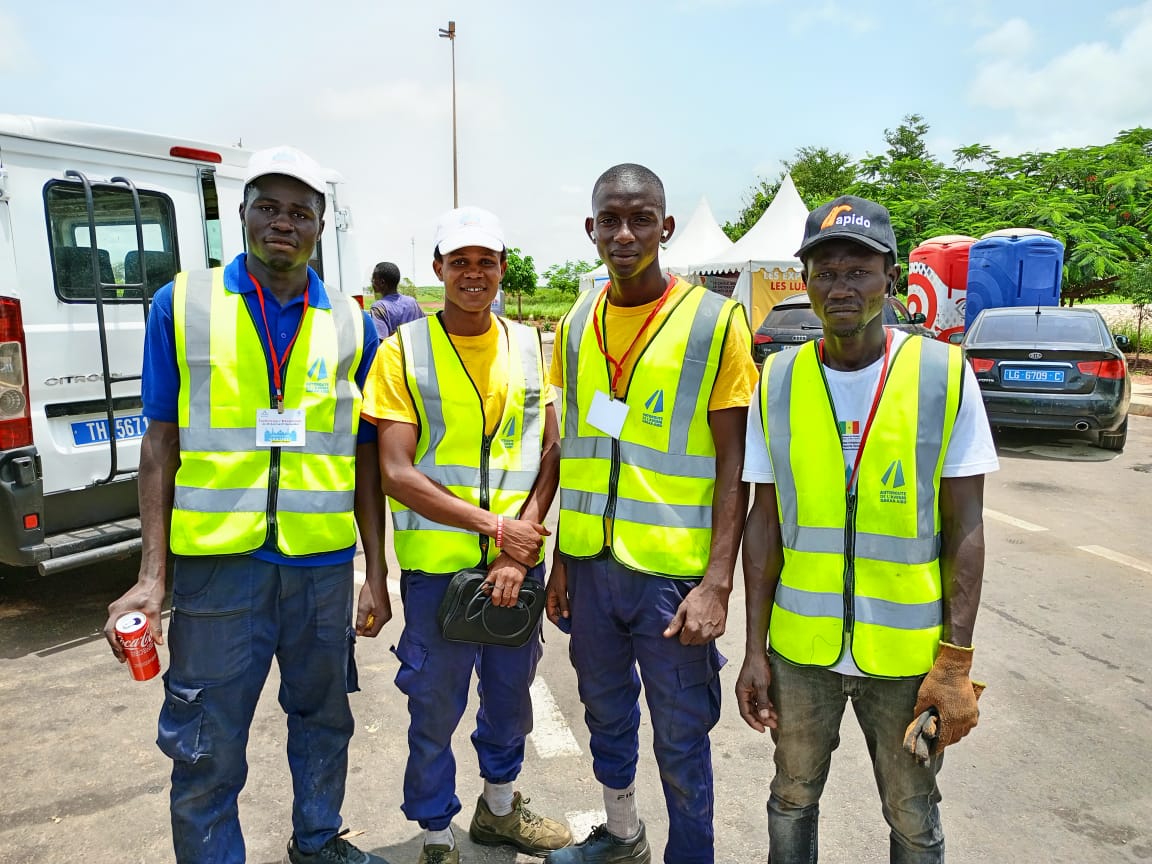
[
  {"x": 280, "y": 429},
  {"x": 607, "y": 414}
]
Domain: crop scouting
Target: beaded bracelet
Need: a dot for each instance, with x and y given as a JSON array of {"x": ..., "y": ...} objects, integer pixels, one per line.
[{"x": 499, "y": 531}]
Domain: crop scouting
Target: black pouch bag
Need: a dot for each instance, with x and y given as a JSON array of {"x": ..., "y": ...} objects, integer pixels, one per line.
[{"x": 466, "y": 613}]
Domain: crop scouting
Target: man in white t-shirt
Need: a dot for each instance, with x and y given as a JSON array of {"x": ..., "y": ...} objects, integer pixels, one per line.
[{"x": 864, "y": 548}]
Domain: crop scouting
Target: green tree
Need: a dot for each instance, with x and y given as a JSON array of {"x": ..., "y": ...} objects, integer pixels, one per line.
[
  {"x": 820, "y": 175},
  {"x": 520, "y": 277},
  {"x": 1136, "y": 286},
  {"x": 565, "y": 277}
]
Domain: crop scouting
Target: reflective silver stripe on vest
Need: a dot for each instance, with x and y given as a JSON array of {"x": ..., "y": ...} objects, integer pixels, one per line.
[
  {"x": 577, "y": 321},
  {"x": 642, "y": 512},
  {"x": 199, "y": 500},
  {"x": 410, "y": 520},
  {"x": 933, "y": 403},
  {"x": 418, "y": 337},
  {"x": 868, "y": 610},
  {"x": 692, "y": 379},
  {"x": 779, "y": 396},
  {"x": 202, "y": 440},
  {"x": 469, "y": 478},
  {"x": 648, "y": 458},
  {"x": 199, "y": 297},
  {"x": 531, "y": 358},
  {"x": 348, "y": 327}
]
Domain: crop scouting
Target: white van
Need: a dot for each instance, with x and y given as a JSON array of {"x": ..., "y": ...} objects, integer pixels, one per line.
[{"x": 93, "y": 220}]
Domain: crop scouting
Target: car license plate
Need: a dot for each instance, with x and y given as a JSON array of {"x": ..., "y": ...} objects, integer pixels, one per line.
[
  {"x": 96, "y": 431},
  {"x": 1035, "y": 376}
]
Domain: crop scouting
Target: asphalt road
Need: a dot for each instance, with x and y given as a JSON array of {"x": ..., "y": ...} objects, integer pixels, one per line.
[{"x": 1057, "y": 771}]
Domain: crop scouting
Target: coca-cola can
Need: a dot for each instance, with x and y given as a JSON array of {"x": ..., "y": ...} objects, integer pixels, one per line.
[{"x": 139, "y": 648}]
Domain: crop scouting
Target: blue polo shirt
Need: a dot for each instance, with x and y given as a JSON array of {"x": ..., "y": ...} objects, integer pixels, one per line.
[{"x": 161, "y": 385}]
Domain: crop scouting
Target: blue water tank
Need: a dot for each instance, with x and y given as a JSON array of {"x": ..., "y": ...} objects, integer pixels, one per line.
[{"x": 1013, "y": 267}]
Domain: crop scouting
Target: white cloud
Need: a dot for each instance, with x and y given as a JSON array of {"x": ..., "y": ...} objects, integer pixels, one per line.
[
  {"x": 1012, "y": 38},
  {"x": 1085, "y": 94},
  {"x": 831, "y": 13},
  {"x": 14, "y": 53}
]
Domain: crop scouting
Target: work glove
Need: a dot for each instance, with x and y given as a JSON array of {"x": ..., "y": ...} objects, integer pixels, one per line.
[{"x": 946, "y": 707}]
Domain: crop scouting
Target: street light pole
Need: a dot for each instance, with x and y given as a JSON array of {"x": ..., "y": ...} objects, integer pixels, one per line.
[{"x": 450, "y": 35}]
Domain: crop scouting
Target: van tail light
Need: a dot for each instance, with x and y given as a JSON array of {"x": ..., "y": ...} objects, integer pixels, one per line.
[
  {"x": 761, "y": 339},
  {"x": 15, "y": 417},
  {"x": 1102, "y": 368},
  {"x": 980, "y": 364},
  {"x": 359, "y": 298}
]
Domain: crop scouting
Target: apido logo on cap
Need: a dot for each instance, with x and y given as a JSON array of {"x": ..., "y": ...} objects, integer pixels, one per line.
[{"x": 842, "y": 214}]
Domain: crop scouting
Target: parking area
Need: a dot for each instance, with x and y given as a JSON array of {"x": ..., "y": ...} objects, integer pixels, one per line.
[{"x": 1056, "y": 771}]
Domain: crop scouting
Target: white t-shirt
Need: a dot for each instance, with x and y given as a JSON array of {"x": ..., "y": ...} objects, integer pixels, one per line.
[{"x": 970, "y": 449}]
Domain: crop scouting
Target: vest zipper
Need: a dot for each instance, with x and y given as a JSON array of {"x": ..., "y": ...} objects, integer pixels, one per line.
[
  {"x": 273, "y": 490},
  {"x": 485, "y": 455},
  {"x": 849, "y": 568},
  {"x": 613, "y": 482}
]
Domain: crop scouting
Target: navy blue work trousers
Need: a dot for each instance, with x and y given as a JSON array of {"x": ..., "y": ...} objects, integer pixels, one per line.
[
  {"x": 435, "y": 675},
  {"x": 618, "y": 621},
  {"x": 230, "y": 616}
]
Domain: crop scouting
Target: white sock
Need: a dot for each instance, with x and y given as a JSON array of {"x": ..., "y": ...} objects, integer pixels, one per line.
[
  {"x": 620, "y": 806},
  {"x": 498, "y": 797},
  {"x": 443, "y": 837}
]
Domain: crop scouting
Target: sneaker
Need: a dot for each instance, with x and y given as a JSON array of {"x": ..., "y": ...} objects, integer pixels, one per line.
[
  {"x": 438, "y": 854},
  {"x": 335, "y": 851},
  {"x": 528, "y": 832},
  {"x": 604, "y": 848}
]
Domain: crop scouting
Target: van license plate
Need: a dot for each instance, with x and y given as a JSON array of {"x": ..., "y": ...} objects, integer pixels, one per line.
[
  {"x": 1037, "y": 376},
  {"x": 96, "y": 431}
]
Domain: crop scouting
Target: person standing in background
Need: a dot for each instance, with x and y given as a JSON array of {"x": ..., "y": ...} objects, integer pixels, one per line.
[{"x": 393, "y": 308}]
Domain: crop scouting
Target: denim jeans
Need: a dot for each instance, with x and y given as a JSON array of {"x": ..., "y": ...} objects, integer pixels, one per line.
[
  {"x": 618, "y": 621},
  {"x": 810, "y": 705},
  {"x": 230, "y": 616}
]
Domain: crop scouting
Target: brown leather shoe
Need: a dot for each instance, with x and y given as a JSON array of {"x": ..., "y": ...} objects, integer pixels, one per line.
[{"x": 528, "y": 832}]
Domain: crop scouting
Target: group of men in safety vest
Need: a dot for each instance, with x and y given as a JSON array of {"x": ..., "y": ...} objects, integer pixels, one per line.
[{"x": 863, "y": 564}]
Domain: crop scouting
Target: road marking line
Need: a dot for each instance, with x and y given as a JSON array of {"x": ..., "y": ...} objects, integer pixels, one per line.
[
  {"x": 1118, "y": 557},
  {"x": 583, "y": 821},
  {"x": 393, "y": 584},
  {"x": 1013, "y": 521},
  {"x": 550, "y": 733}
]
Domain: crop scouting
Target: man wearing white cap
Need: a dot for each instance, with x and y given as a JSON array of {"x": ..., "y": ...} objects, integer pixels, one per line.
[
  {"x": 469, "y": 454},
  {"x": 255, "y": 472}
]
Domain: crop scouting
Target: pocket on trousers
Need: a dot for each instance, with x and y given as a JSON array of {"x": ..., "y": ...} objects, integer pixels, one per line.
[
  {"x": 698, "y": 700},
  {"x": 181, "y": 735},
  {"x": 353, "y": 677},
  {"x": 210, "y": 647},
  {"x": 412, "y": 657},
  {"x": 333, "y": 602}
]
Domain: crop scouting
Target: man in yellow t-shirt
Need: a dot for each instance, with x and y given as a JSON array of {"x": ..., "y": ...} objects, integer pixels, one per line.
[
  {"x": 469, "y": 458},
  {"x": 657, "y": 375}
]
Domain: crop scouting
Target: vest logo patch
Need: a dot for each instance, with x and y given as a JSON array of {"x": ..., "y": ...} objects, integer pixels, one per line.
[
  {"x": 893, "y": 480},
  {"x": 654, "y": 406},
  {"x": 508, "y": 434},
  {"x": 318, "y": 378}
]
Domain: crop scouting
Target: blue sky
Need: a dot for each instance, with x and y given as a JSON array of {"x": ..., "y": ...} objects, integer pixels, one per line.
[{"x": 710, "y": 94}]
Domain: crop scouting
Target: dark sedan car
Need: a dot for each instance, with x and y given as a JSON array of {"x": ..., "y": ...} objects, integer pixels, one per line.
[
  {"x": 1051, "y": 368},
  {"x": 792, "y": 322}
]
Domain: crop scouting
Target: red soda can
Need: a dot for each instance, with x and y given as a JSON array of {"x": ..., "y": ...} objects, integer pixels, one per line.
[{"x": 136, "y": 637}]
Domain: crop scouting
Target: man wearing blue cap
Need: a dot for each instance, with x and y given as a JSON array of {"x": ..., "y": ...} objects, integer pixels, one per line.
[{"x": 869, "y": 596}]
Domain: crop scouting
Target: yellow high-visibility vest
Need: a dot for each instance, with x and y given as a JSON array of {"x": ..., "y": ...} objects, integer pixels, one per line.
[
  {"x": 863, "y": 563},
  {"x": 232, "y": 494},
  {"x": 496, "y": 472},
  {"x": 654, "y": 485}
]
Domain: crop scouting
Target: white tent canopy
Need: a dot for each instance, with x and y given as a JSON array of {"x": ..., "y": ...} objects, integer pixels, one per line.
[
  {"x": 700, "y": 240},
  {"x": 772, "y": 241}
]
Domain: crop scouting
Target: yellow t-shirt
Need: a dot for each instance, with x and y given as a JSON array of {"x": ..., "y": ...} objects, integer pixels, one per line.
[
  {"x": 485, "y": 360},
  {"x": 735, "y": 379}
]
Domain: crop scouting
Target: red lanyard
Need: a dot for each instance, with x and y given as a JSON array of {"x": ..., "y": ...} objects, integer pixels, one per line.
[
  {"x": 278, "y": 362},
  {"x": 618, "y": 365},
  {"x": 851, "y": 481}
]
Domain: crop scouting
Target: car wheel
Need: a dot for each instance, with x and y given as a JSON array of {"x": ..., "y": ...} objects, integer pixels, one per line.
[{"x": 1115, "y": 440}]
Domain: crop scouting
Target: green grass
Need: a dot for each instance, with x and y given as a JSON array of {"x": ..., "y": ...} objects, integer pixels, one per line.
[{"x": 544, "y": 308}]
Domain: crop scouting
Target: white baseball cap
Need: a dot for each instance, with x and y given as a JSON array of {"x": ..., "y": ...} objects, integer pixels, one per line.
[
  {"x": 287, "y": 161},
  {"x": 469, "y": 226}
]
